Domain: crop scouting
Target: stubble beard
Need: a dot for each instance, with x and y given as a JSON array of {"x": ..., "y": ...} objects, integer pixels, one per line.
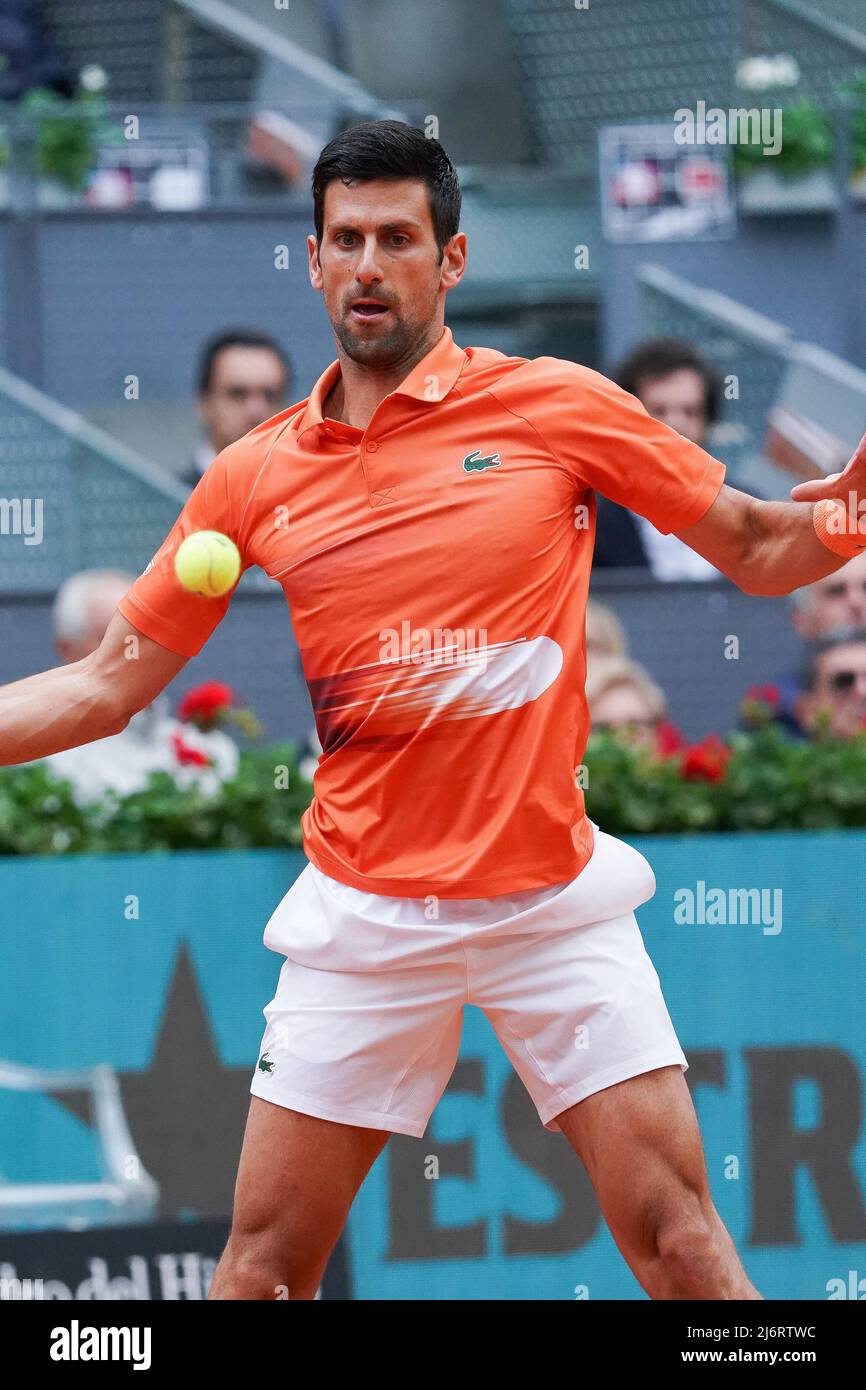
[{"x": 382, "y": 351}]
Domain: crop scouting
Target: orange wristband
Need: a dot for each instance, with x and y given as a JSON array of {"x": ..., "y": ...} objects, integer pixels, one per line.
[{"x": 833, "y": 528}]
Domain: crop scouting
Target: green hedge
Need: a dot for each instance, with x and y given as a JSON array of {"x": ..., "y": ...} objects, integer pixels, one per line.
[
  {"x": 759, "y": 780},
  {"x": 256, "y": 809}
]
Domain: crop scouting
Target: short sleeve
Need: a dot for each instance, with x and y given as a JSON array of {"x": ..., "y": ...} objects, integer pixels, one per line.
[
  {"x": 608, "y": 442},
  {"x": 157, "y": 604}
]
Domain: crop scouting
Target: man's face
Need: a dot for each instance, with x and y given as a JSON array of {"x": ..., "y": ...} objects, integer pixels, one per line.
[
  {"x": 840, "y": 690},
  {"x": 100, "y": 611},
  {"x": 379, "y": 269},
  {"x": 678, "y": 400},
  {"x": 247, "y": 386},
  {"x": 837, "y": 600},
  {"x": 624, "y": 706}
]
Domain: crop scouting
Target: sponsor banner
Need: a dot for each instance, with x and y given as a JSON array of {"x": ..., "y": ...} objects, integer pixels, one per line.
[
  {"x": 655, "y": 188},
  {"x": 758, "y": 943},
  {"x": 169, "y": 1261}
]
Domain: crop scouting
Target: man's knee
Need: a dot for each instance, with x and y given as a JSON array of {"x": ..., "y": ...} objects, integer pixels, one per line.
[
  {"x": 272, "y": 1260},
  {"x": 687, "y": 1249}
]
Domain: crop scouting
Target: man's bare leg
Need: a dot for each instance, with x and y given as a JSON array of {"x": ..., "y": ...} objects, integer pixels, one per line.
[
  {"x": 641, "y": 1146},
  {"x": 297, "y": 1179}
]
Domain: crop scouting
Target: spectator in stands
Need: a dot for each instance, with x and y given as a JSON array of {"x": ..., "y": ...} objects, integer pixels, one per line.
[
  {"x": 676, "y": 385},
  {"x": 622, "y": 696},
  {"x": 836, "y": 601},
  {"x": 152, "y": 741},
  {"x": 243, "y": 379},
  {"x": 605, "y": 634},
  {"x": 834, "y": 697}
]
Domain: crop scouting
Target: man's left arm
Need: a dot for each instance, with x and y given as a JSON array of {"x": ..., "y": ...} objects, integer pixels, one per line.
[{"x": 771, "y": 548}]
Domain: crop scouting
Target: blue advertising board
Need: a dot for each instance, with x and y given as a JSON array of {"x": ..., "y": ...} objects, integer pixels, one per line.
[{"x": 154, "y": 963}]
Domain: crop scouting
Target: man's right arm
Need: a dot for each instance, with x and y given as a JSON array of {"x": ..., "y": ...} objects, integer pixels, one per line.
[{"x": 86, "y": 700}]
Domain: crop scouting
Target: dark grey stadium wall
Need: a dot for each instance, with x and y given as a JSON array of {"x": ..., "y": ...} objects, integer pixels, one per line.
[
  {"x": 139, "y": 293},
  {"x": 678, "y": 631}
]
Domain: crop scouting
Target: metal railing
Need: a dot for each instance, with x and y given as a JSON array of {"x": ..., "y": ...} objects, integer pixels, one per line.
[
  {"x": 769, "y": 371},
  {"x": 71, "y": 497},
  {"x": 124, "y": 1194},
  {"x": 308, "y": 77}
]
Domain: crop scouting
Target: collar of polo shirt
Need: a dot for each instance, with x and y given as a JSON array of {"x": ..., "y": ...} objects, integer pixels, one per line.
[{"x": 430, "y": 380}]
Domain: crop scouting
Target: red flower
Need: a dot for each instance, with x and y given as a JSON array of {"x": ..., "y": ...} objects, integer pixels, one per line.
[
  {"x": 669, "y": 740},
  {"x": 188, "y": 756},
  {"x": 767, "y": 694},
  {"x": 205, "y": 703},
  {"x": 706, "y": 761}
]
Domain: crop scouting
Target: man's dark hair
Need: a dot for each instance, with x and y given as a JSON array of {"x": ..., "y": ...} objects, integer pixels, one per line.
[
  {"x": 236, "y": 337},
  {"x": 838, "y": 637},
  {"x": 655, "y": 358},
  {"x": 391, "y": 150}
]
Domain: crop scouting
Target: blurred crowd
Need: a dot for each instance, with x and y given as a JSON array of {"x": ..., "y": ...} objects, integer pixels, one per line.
[
  {"x": 676, "y": 385},
  {"x": 243, "y": 378},
  {"x": 824, "y": 697},
  {"x": 154, "y": 740}
]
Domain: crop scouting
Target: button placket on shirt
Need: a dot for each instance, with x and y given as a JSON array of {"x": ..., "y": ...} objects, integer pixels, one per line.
[
  {"x": 346, "y": 438},
  {"x": 377, "y": 495}
]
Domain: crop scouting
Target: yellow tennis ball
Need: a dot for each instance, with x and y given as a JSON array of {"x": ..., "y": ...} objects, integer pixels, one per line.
[{"x": 207, "y": 563}]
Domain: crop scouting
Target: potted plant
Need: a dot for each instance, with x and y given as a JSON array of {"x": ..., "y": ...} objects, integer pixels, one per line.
[
  {"x": 798, "y": 178},
  {"x": 66, "y": 135}
]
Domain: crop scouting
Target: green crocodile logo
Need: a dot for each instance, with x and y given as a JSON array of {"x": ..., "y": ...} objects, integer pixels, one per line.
[
  {"x": 474, "y": 463},
  {"x": 264, "y": 1065}
]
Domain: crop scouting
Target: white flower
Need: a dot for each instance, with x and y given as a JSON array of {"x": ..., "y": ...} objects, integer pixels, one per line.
[
  {"x": 752, "y": 74},
  {"x": 93, "y": 78},
  {"x": 762, "y": 71}
]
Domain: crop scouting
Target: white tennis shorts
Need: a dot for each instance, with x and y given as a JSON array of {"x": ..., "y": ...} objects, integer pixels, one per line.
[{"x": 365, "y": 1025}]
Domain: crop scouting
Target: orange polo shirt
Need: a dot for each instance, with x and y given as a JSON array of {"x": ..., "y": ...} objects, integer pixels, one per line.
[{"x": 436, "y": 568}]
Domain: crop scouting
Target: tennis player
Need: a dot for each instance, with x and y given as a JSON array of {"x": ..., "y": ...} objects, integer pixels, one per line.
[{"x": 429, "y": 512}]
